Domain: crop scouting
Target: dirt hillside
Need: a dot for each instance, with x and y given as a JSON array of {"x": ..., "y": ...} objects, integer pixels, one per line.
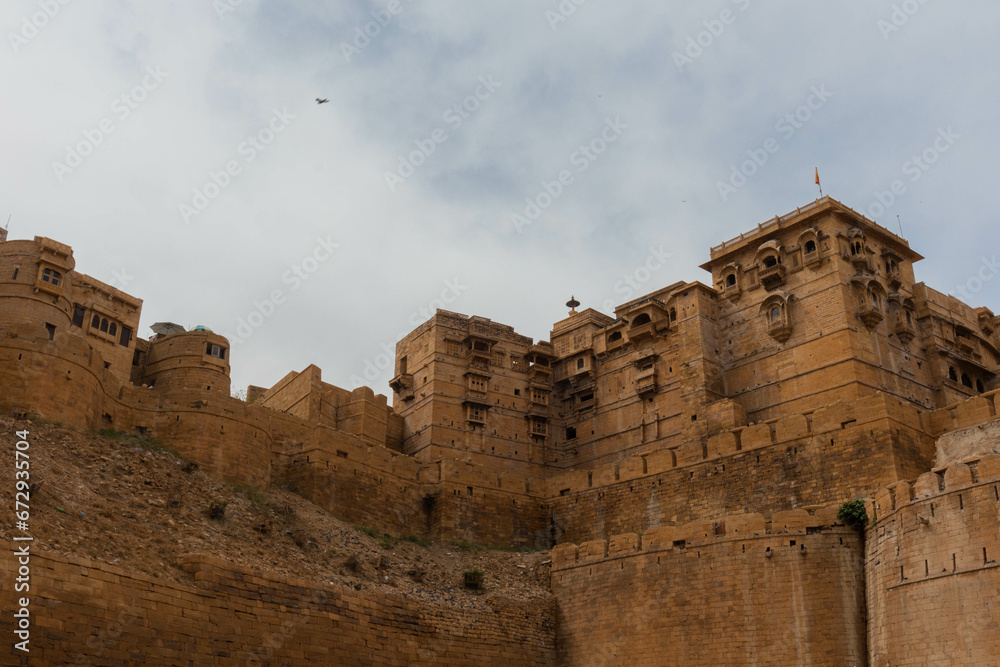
[{"x": 133, "y": 503}]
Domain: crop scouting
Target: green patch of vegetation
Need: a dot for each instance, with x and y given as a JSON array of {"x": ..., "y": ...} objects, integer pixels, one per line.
[
  {"x": 417, "y": 540},
  {"x": 853, "y": 514},
  {"x": 473, "y": 579},
  {"x": 251, "y": 493},
  {"x": 138, "y": 440},
  {"x": 36, "y": 418},
  {"x": 370, "y": 532},
  {"x": 511, "y": 548},
  {"x": 469, "y": 546},
  {"x": 387, "y": 540}
]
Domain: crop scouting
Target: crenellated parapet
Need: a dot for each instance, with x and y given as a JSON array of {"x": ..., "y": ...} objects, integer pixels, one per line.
[
  {"x": 758, "y": 536},
  {"x": 835, "y": 420}
]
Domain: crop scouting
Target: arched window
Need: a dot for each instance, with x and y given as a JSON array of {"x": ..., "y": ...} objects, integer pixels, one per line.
[
  {"x": 640, "y": 320},
  {"x": 979, "y": 386},
  {"x": 770, "y": 261},
  {"x": 96, "y": 322},
  {"x": 775, "y": 313},
  {"x": 673, "y": 314},
  {"x": 613, "y": 337},
  {"x": 810, "y": 247},
  {"x": 966, "y": 380},
  {"x": 579, "y": 363},
  {"x": 731, "y": 280},
  {"x": 909, "y": 320},
  {"x": 104, "y": 325},
  {"x": 952, "y": 375},
  {"x": 113, "y": 329}
]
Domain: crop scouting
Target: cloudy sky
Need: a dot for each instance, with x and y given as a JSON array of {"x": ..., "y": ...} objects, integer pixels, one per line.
[{"x": 489, "y": 158}]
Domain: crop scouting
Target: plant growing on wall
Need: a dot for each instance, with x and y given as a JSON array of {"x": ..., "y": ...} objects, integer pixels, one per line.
[{"x": 853, "y": 514}]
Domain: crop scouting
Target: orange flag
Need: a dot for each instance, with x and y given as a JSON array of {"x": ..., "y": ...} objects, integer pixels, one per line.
[{"x": 817, "y": 175}]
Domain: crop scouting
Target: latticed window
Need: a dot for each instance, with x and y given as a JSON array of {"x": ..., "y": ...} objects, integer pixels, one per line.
[
  {"x": 477, "y": 413},
  {"x": 51, "y": 276}
]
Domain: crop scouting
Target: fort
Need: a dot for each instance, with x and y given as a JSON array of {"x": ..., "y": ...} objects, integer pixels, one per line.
[{"x": 683, "y": 457}]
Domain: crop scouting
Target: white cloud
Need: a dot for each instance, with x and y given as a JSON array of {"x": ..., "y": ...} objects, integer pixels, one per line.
[{"x": 324, "y": 174}]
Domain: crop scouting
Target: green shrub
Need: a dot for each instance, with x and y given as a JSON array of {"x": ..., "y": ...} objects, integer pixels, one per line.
[
  {"x": 853, "y": 514},
  {"x": 473, "y": 579}
]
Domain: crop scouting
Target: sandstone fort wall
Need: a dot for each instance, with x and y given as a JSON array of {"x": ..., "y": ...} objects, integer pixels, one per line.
[{"x": 91, "y": 613}]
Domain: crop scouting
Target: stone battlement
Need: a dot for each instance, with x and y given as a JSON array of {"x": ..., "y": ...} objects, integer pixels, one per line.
[{"x": 679, "y": 539}]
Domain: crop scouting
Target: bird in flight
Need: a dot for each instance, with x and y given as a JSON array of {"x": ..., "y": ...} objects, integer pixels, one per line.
[{"x": 319, "y": 101}]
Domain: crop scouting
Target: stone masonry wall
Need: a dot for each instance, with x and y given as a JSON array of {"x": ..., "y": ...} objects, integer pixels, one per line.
[
  {"x": 91, "y": 613},
  {"x": 734, "y": 592},
  {"x": 932, "y": 568}
]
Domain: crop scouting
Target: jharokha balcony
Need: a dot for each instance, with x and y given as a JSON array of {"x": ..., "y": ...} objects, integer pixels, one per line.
[{"x": 772, "y": 276}]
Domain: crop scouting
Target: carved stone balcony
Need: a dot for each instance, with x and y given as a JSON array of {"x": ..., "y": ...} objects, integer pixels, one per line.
[
  {"x": 641, "y": 331},
  {"x": 402, "y": 384},
  {"x": 475, "y": 396},
  {"x": 646, "y": 383},
  {"x": 870, "y": 315},
  {"x": 894, "y": 277},
  {"x": 905, "y": 331},
  {"x": 772, "y": 276}
]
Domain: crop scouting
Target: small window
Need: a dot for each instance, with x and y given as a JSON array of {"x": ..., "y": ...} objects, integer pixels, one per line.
[
  {"x": 731, "y": 280},
  {"x": 112, "y": 329},
  {"x": 615, "y": 336},
  {"x": 673, "y": 314},
  {"x": 15, "y": 273},
  {"x": 95, "y": 323},
  {"x": 126, "y": 337},
  {"x": 570, "y": 432},
  {"x": 966, "y": 380},
  {"x": 79, "y": 312},
  {"x": 104, "y": 325},
  {"x": 952, "y": 375},
  {"x": 517, "y": 392},
  {"x": 770, "y": 261},
  {"x": 216, "y": 351},
  {"x": 810, "y": 247},
  {"x": 579, "y": 363},
  {"x": 51, "y": 276},
  {"x": 979, "y": 386},
  {"x": 641, "y": 319},
  {"x": 909, "y": 320},
  {"x": 51, "y": 328},
  {"x": 775, "y": 313}
]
